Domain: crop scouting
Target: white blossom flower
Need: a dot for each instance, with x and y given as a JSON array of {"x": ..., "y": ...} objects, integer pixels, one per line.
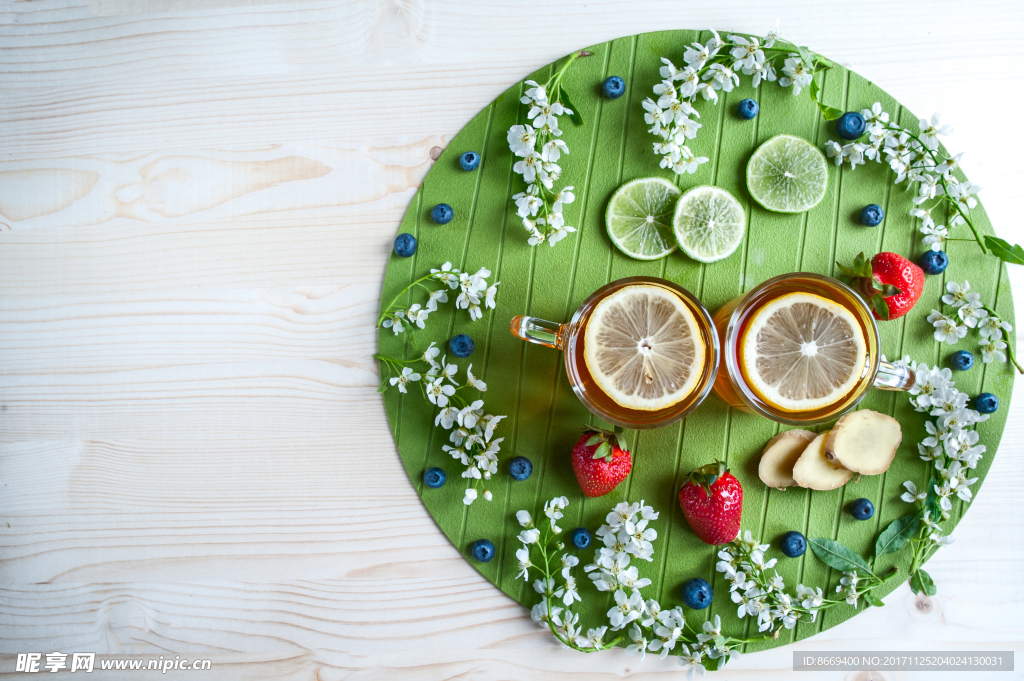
[
  {"x": 692, "y": 660},
  {"x": 972, "y": 313},
  {"x": 912, "y": 495},
  {"x": 470, "y": 496},
  {"x": 523, "y": 556},
  {"x": 543, "y": 613},
  {"x": 524, "y": 518},
  {"x": 473, "y": 381},
  {"x": 639, "y": 645},
  {"x": 747, "y": 52},
  {"x": 935, "y": 236},
  {"x": 835, "y": 152},
  {"x": 409, "y": 375},
  {"x": 992, "y": 350},
  {"x": 439, "y": 393},
  {"x": 875, "y": 114},
  {"x": 626, "y": 610},
  {"x": 948, "y": 331},
  {"x": 697, "y": 56},
  {"x": 446, "y": 275},
  {"x": 722, "y": 77},
  {"x": 930, "y": 131},
  {"x": 962, "y": 194},
  {"x": 522, "y": 139},
  {"x": 593, "y": 639},
  {"x": 993, "y": 327},
  {"x": 957, "y": 293},
  {"x": 796, "y": 73}
]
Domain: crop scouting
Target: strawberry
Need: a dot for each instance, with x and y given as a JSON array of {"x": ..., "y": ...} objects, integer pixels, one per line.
[
  {"x": 600, "y": 461},
  {"x": 712, "y": 501},
  {"x": 890, "y": 283}
]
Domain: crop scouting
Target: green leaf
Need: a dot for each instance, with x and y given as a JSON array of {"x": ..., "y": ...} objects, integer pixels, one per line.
[
  {"x": 594, "y": 439},
  {"x": 874, "y": 600},
  {"x": 931, "y": 502},
  {"x": 575, "y": 116},
  {"x": 837, "y": 555},
  {"x": 829, "y": 113},
  {"x": 1004, "y": 250},
  {"x": 605, "y": 450},
  {"x": 921, "y": 582},
  {"x": 805, "y": 54},
  {"x": 888, "y": 290},
  {"x": 897, "y": 533},
  {"x": 814, "y": 90},
  {"x": 879, "y": 306}
]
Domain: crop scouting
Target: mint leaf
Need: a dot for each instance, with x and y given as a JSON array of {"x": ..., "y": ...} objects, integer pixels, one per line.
[
  {"x": 829, "y": 113},
  {"x": 874, "y": 600},
  {"x": 922, "y": 582},
  {"x": 837, "y": 555},
  {"x": 897, "y": 533},
  {"x": 1004, "y": 250}
]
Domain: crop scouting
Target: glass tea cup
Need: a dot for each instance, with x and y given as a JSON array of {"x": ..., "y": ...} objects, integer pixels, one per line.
[
  {"x": 732, "y": 319},
  {"x": 569, "y": 338}
]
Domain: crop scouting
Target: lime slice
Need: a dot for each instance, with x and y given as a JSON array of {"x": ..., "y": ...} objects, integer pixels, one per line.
[
  {"x": 642, "y": 346},
  {"x": 802, "y": 352},
  {"x": 639, "y": 218},
  {"x": 709, "y": 223},
  {"x": 787, "y": 175}
]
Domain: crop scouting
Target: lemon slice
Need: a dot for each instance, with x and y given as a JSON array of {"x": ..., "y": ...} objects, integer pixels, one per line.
[
  {"x": 642, "y": 347},
  {"x": 802, "y": 352}
]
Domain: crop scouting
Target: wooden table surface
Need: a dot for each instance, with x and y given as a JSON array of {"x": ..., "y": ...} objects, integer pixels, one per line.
[{"x": 197, "y": 201}]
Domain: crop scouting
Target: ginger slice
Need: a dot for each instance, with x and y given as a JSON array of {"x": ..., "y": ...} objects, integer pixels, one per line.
[
  {"x": 864, "y": 442},
  {"x": 813, "y": 471},
  {"x": 779, "y": 456}
]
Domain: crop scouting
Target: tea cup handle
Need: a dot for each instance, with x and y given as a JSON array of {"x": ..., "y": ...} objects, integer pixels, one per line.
[
  {"x": 539, "y": 331},
  {"x": 893, "y": 377}
]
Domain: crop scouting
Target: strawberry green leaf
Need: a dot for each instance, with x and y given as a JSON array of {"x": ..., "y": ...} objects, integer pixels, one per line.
[
  {"x": 1004, "y": 250},
  {"x": 888, "y": 290},
  {"x": 879, "y": 306},
  {"x": 594, "y": 439},
  {"x": 897, "y": 533},
  {"x": 837, "y": 555},
  {"x": 604, "y": 451}
]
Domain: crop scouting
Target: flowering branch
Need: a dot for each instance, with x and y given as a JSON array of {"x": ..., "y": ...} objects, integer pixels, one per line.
[
  {"x": 715, "y": 66},
  {"x": 540, "y": 206},
  {"x": 472, "y": 438},
  {"x": 974, "y": 315},
  {"x": 626, "y": 535}
]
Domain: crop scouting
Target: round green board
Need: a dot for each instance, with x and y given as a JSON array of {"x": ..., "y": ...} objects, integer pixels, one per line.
[{"x": 528, "y": 383}]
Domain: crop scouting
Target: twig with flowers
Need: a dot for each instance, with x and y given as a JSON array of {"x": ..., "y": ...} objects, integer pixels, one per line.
[
  {"x": 915, "y": 156},
  {"x": 626, "y": 534},
  {"x": 540, "y": 206},
  {"x": 953, "y": 448},
  {"x": 973, "y": 314},
  {"x": 717, "y": 65},
  {"x": 472, "y": 430}
]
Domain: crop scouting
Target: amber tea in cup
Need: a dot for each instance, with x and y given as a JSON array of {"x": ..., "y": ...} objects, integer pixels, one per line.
[
  {"x": 802, "y": 349},
  {"x": 653, "y": 351}
]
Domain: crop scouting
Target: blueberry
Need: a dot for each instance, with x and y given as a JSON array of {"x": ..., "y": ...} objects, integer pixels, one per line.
[
  {"x": 962, "y": 360},
  {"x": 862, "y": 509},
  {"x": 462, "y": 345},
  {"x": 580, "y": 537},
  {"x": 697, "y": 594},
  {"x": 520, "y": 468},
  {"x": 470, "y": 160},
  {"x": 986, "y": 403},
  {"x": 482, "y": 550},
  {"x": 613, "y": 87},
  {"x": 747, "y": 109},
  {"x": 793, "y": 544},
  {"x": 442, "y": 214},
  {"x": 405, "y": 245},
  {"x": 434, "y": 478},
  {"x": 933, "y": 262},
  {"x": 850, "y": 125},
  {"x": 871, "y": 215}
]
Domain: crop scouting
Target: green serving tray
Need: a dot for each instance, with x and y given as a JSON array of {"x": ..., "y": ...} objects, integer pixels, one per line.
[{"x": 528, "y": 383}]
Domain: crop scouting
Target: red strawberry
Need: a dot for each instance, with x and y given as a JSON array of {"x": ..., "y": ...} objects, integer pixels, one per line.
[
  {"x": 600, "y": 461},
  {"x": 890, "y": 283},
  {"x": 712, "y": 502}
]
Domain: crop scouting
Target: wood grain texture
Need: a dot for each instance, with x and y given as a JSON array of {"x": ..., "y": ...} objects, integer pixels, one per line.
[{"x": 192, "y": 455}]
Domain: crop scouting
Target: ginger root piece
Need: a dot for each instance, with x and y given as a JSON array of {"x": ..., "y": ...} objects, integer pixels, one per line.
[
  {"x": 813, "y": 471},
  {"x": 864, "y": 442},
  {"x": 779, "y": 456}
]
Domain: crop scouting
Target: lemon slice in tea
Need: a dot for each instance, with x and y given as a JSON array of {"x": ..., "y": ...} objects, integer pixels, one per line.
[
  {"x": 787, "y": 174},
  {"x": 643, "y": 348},
  {"x": 802, "y": 352},
  {"x": 639, "y": 218}
]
